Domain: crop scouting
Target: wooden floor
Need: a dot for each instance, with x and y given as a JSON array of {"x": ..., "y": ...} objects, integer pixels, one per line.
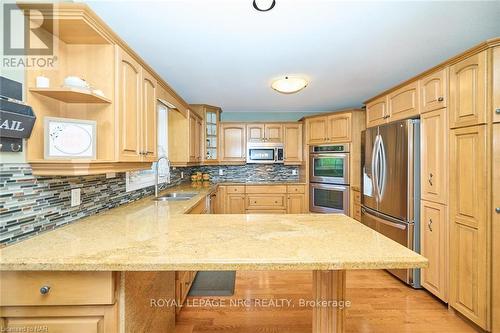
[{"x": 380, "y": 304}]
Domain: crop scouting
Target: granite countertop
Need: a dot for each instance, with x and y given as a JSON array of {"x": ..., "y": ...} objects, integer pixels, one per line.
[{"x": 149, "y": 235}]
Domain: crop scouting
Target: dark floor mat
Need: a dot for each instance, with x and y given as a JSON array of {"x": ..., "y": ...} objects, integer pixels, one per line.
[{"x": 213, "y": 283}]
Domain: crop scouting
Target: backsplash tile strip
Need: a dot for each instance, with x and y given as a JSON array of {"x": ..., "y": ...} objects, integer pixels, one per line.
[{"x": 32, "y": 204}]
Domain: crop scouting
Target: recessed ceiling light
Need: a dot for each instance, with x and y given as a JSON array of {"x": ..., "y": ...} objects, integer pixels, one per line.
[
  {"x": 264, "y": 5},
  {"x": 289, "y": 84}
]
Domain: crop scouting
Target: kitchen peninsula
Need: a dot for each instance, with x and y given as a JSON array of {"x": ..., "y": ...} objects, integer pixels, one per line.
[{"x": 119, "y": 260}]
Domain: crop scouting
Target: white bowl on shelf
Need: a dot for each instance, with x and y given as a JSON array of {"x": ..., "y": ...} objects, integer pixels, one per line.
[{"x": 75, "y": 82}]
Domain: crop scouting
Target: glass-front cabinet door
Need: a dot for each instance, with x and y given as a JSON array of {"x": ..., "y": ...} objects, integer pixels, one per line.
[{"x": 211, "y": 134}]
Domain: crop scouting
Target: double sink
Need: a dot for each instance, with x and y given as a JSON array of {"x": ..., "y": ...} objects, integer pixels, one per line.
[{"x": 175, "y": 196}]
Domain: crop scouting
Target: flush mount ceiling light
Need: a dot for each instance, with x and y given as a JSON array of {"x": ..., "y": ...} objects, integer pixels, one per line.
[
  {"x": 289, "y": 84},
  {"x": 264, "y": 5}
]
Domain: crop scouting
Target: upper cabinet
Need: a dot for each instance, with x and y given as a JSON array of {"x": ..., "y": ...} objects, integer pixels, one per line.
[
  {"x": 233, "y": 142},
  {"x": 331, "y": 128},
  {"x": 269, "y": 132},
  {"x": 404, "y": 102},
  {"x": 434, "y": 91},
  {"x": 468, "y": 92},
  {"x": 293, "y": 143},
  {"x": 121, "y": 103},
  {"x": 496, "y": 84},
  {"x": 184, "y": 138},
  {"x": 377, "y": 112},
  {"x": 129, "y": 104}
]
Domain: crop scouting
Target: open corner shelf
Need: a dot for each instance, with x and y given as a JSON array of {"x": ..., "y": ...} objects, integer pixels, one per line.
[{"x": 71, "y": 95}]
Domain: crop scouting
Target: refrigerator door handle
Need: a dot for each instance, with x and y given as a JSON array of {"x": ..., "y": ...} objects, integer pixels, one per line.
[
  {"x": 375, "y": 167},
  {"x": 383, "y": 168}
]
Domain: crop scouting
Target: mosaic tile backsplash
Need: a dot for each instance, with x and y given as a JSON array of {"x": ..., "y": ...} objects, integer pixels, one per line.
[{"x": 32, "y": 204}]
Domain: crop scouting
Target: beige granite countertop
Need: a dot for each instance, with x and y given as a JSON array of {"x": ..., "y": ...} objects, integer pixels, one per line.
[{"x": 151, "y": 236}]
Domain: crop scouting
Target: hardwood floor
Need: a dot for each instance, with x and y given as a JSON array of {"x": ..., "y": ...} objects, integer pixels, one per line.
[{"x": 380, "y": 304}]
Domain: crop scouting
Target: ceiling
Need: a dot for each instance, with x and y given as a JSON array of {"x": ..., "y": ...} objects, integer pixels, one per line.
[{"x": 225, "y": 53}]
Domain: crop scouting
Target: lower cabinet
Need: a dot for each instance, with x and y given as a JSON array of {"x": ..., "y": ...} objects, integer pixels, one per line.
[
  {"x": 183, "y": 282},
  {"x": 296, "y": 204},
  {"x": 356, "y": 205},
  {"x": 235, "y": 203},
  {"x": 434, "y": 246}
]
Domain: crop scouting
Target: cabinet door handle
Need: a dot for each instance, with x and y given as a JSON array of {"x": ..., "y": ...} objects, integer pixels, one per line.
[
  {"x": 430, "y": 178},
  {"x": 44, "y": 290},
  {"x": 386, "y": 116},
  {"x": 497, "y": 111},
  {"x": 440, "y": 99},
  {"x": 497, "y": 210},
  {"x": 430, "y": 225}
]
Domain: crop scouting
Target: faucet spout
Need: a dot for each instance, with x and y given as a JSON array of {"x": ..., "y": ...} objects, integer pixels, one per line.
[{"x": 157, "y": 173}]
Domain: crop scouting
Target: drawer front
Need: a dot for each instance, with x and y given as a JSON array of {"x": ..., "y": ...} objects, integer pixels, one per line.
[
  {"x": 266, "y": 211},
  {"x": 65, "y": 288},
  {"x": 264, "y": 201},
  {"x": 264, "y": 189},
  {"x": 296, "y": 189},
  {"x": 235, "y": 189}
]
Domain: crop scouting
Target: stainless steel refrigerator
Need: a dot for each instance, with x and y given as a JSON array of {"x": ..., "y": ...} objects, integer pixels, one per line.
[{"x": 390, "y": 187}]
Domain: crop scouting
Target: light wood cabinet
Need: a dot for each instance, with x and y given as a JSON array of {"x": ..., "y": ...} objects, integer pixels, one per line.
[
  {"x": 265, "y": 201},
  {"x": 293, "y": 143},
  {"x": 184, "y": 138},
  {"x": 233, "y": 142},
  {"x": 148, "y": 120},
  {"x": 434, "y": 246},
  {"x": 129, "y": 103},
  {"x": 273, "y": 132},
  {"x": 209, "y": 132},
  {"x": 317, "y": 130},
  {"x": 434, "y": 91},
  {"x": 339, "y": 127},
  {"x": 495, "y": 222},
  {"x": 496, "y": 84},
  {"x": 377, "y": 112},
  {"x": 469, "y": 248},
  {"x": 235, "y": 203},
  {"x": 296, "y": 204},
  {"x": 434, "y": 156},
  {"x": 255, "y": 133},
  {"x": 356, "y": 206},
  {"x": 332, "y": 128},
  {"x": 404, "y": 102},
  {"x": 468, "y": 91}
]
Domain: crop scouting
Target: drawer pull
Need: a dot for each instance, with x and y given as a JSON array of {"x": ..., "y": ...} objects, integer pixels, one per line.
[
  {"x": 430, "y": 178},
  {"x": 497, "y": 210},
  {"x": 430, "y": 225},
  {"x": 440, "y": 99},
  {"x": 497, "y": 111},
  {"x": 44, "y": 290}
]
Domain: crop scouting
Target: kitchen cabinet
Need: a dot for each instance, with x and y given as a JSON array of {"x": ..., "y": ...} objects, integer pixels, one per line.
[
  {"x": 468, "y": 93},
  {"x": 377, "y": 112},
  {"x": 148, "y": 120},
  {"x": 265, "y": 201},
  {"x": 129, "y": 103},
  {"x": 184, "y": 138},
  {"x": 235, "y": 203},
  {"x": 296, "y": 204},
  {"x": 210, "y": 116},
  {"x": 183, "y": 282},
  {"x": 273, "y": 132},
  {"x": 495, "y": 223},
  {"x": 469, "y": 248},
  {"x": 404, "y": 102},
  {"x": 293, "y": 143},
  {"x": 339, "y": 127},
  {"x": 317, "y": 130},
  {"x": 261, "y": 132},
  {"x": 255, "y": 132},
  {"x": 434, "y": 246},
  {"x": 434, "y": 155},
  {"x": 434, "y": 91},
  {"x": 332, "y": 128},
  {"x": 233, "y": 142},
  {"x": 59, "y": 301},
  {"x": 496, "y": 84},
  {"x": 356, "y": 206}
]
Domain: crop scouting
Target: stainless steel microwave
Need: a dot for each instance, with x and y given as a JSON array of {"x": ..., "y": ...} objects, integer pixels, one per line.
[{"x": 266, "y": 152}]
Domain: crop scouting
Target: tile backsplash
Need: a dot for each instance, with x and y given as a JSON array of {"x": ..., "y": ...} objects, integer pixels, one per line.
[{"x": 32, "y": 204}]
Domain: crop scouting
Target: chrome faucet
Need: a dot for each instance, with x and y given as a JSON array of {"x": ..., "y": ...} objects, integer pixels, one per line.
[{"x": 157, "y": 176}]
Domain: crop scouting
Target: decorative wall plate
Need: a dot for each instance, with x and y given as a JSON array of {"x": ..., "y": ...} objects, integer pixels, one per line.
[{"x": 69, "y": 138}]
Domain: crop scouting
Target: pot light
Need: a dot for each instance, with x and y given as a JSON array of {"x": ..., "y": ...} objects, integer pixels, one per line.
[
  {"x": 264, "y": 5},
  {"x": 289, "y": 84}
]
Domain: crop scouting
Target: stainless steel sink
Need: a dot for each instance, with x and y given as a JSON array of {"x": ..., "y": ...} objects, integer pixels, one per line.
[{"x": 175, "y": 196}]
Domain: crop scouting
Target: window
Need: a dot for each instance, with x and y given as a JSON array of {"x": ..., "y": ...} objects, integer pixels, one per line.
[{"x": 139, "y": 179}]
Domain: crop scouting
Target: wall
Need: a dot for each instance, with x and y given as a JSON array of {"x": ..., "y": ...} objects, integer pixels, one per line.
[{"x": 30, "y": 204}]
